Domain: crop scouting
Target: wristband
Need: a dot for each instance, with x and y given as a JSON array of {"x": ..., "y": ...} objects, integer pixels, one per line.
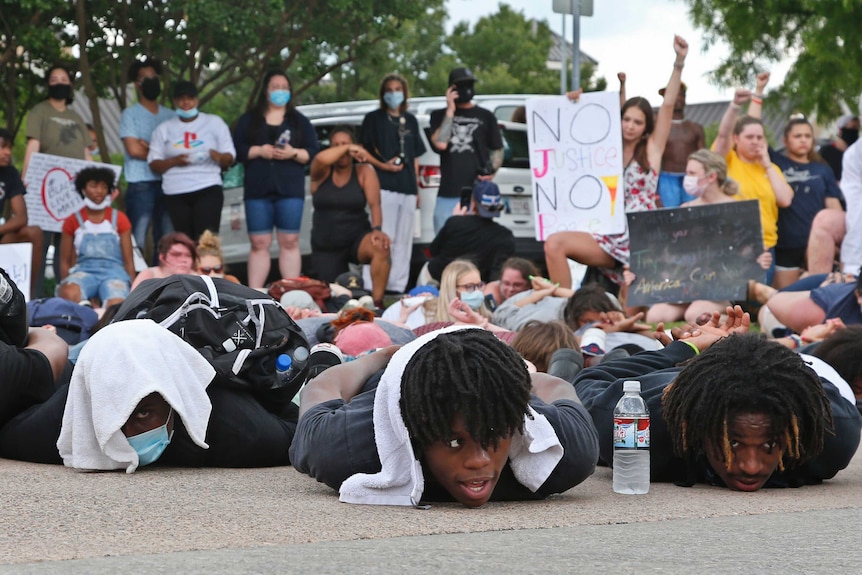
[
  {"x": 797, "y": 341},
  {"x": 757, "y": 100},
  {"x": 377, "y": 228},
  {"x": 691, "y": 345}
]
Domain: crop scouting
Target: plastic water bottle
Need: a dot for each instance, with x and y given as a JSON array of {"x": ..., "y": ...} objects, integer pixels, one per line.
[
  {"x": 631, "y": 442},
  {"x": 287, "y": 367}
]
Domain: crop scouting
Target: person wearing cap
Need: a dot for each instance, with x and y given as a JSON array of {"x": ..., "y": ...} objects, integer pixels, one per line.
[
  {"x": 391, "y": 136},
  {"x": 474, "y": 235},
  {"x": 145, "y": 200},
  {"x": 190, "y": 152},
  {"x": 685, "y": 137},
  {"x": 848, "y": 133},
  {"x": 469, "y": 142}
]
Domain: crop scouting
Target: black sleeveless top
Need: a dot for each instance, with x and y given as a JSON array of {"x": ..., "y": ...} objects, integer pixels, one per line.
[{"x": 339, "y": 217}]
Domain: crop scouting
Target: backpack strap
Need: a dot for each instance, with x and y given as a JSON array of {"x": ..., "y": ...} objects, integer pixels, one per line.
[
  {"x": 80, "y": 219},
  {"x": 114, "y": 216}
]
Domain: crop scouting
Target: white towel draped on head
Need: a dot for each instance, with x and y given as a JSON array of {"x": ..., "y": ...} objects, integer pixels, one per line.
[
  {"x": 533, "y": 455},
  {"x": 119, "y": 366}
]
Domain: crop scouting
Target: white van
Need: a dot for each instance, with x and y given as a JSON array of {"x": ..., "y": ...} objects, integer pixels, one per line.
[{"x": 513, "y": 178}]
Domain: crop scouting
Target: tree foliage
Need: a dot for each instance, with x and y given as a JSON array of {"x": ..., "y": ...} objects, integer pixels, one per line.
[{"x": 823, "y": 36}]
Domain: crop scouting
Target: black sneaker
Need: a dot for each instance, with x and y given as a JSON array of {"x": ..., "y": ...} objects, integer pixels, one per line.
[
  {"x": 566, "y": 363},
  {"x": 322, "y": 357}
]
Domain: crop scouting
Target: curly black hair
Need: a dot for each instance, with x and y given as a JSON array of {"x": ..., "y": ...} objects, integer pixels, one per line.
[
  {"x": 94, "y": 174},
  {"x": 747, "y": 374},
  {"x": 469, "y": 373}
]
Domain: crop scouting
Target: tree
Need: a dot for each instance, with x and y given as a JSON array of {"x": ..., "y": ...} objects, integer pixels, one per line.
[
  {"x": 508, "y": 53},
  {"x": 824, "y": 36}
]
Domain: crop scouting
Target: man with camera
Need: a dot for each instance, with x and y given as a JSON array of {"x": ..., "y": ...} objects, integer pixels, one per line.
[{"x": 469, "y": 142}]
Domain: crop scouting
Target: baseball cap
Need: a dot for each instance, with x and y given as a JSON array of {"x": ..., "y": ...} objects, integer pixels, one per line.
[
  {"x": 357, "y": 338},
  {"x": 458, "y": 75},
  {"x": 489, "y": 203},
  {"x": 354, "y": 283},
  {"x": 185, "y": 88},
  {"x": 429, "y": 289},
  {"x": 844, "y": 120},
  {"x": 682, "y": 88}
]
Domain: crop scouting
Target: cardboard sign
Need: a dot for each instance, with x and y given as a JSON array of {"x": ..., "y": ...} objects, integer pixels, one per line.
[
  {"x": 17, "y": 260},
  {"x": 576, "y": 163},
  {"x": 51, "y": 196},
  {"x": 684, "y": 254}
]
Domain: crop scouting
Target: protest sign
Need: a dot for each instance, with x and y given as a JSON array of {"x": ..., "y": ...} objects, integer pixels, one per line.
[
  {"x": 51, "y": 196},
  {"x": 576, "y": 163},
  {"x": 17, "y": 260},
  {"x": 705, "y": 252}
]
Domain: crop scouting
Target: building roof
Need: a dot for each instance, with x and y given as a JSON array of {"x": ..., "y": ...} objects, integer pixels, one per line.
[{"x": 560, "y": 44}]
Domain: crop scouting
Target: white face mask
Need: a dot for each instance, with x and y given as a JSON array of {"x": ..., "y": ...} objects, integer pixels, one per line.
[
  {"x": 692, "y": 186},
  {"x": 106, "y": 203}
]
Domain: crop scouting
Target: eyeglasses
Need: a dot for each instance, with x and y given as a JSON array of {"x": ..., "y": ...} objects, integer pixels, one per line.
[
  {"x": 208, "y": 271},
  {"x": 471, "y": 287}
]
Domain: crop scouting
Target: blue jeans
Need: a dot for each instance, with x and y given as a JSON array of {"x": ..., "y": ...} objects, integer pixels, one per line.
[{"x": 145, "y": 205}]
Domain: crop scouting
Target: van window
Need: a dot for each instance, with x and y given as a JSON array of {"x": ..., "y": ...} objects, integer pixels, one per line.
[{"x": 515, "y": 149}]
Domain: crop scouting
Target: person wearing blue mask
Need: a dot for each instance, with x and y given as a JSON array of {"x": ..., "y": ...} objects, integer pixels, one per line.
[
  {"x": 190, "y": 152},
  {"x": 274, "y": 142},
  {"x": 139, "y": 396},
  {"x": 391, "y": 136}
]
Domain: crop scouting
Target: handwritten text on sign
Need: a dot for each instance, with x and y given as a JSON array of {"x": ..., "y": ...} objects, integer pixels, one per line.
[
  {"x": 705, "y": 252},
  {"x": 51, "y": 196},
  {"x": 576, "y": 164}
]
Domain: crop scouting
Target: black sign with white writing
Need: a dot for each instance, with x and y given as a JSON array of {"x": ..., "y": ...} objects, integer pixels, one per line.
[{"x": 698, "y": 253}]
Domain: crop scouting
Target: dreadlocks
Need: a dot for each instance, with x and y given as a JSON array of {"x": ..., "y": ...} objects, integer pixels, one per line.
[
  {"x": 471, "y": 373},
  {"x": 746, "y": 374}
]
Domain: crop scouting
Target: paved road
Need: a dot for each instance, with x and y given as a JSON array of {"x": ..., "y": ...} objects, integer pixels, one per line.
[{"x": 54, "y": 520}]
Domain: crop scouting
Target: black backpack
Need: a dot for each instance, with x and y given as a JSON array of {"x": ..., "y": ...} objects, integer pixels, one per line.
[{"x": 239, "y": 330}]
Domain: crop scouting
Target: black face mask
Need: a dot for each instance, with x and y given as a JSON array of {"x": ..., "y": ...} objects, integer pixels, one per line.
[
  {"x": 151, "y": 88},
  {"x": 60, "y": 91},
  {"x": 465, "y": 93},
  {"x": 849, "y": 135}
]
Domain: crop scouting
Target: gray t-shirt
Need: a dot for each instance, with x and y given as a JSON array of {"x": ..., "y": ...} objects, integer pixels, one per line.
[{"x": 59, "y": 133}]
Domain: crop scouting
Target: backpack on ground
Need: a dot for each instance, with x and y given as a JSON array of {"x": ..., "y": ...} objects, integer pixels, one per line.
[
  {"x": 239, "y": 330},
  {"x": 73, "y": 321}
]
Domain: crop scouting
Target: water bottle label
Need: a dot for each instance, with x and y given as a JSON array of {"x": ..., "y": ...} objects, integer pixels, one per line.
[{"x": 631, "y": 433}]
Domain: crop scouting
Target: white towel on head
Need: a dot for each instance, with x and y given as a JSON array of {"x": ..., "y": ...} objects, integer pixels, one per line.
[
  {"x": 120, "y": 365},
  {"x": 400, "y": 481}
]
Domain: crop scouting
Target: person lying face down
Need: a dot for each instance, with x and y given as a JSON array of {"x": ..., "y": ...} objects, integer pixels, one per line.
[
  {"x": 736, "y": 411},
  {"x": 452, "y": 417}
]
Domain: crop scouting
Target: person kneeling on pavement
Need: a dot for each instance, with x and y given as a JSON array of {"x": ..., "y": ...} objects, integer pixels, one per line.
[
  {"x": 454, "y": 416},
  {"x": 731, "y": 409}
]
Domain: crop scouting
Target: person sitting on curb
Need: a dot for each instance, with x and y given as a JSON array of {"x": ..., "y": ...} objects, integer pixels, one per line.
[
  {"x": 741, "y": 411},
  {"x": 452, "y": 417}
]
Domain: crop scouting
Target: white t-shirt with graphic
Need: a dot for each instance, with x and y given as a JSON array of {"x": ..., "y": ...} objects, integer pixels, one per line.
[{"x": 196, "y": 138}]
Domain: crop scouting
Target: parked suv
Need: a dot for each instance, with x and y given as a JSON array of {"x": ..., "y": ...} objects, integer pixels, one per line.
[{"x": 513, "y": 178}]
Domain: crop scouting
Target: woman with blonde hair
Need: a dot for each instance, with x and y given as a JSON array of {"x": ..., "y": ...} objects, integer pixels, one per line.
[
  {"x": 461, "y": 280},
  {"x": 706, "y": 179},
  {"x": 211, "y": 257}
]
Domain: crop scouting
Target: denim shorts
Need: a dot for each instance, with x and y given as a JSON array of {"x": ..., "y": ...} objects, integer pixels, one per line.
[
  {"x": 103, "y": 281},
  {"x": 285, "y": 214}
]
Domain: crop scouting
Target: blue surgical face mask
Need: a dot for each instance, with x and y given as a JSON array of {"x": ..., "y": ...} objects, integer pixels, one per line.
[
  {"x": 150, "y": 445},
  {"x": 187, "y": 114},
  {"x": 279, "y": 97},
  {"x": 472, "y": 298},
  {"x": 393, "y": 99}
]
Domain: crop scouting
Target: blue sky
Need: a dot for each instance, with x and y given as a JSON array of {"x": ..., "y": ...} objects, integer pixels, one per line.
[{"x": 634, "y": 36}]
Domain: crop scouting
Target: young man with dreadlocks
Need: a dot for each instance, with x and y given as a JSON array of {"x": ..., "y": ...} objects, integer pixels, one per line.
[
  {"x": 454, "y": 416},
  {"x": 730, "y": 409}
]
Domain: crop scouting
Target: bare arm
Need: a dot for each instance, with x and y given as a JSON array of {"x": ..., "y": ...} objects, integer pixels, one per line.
[
  {"x": 67, "y": 255},
  {"x": 51, "y": 346},
  {"x": 755, "y": 109},
  {"x": 440, "y": 137},
  {"x": 833, "y": 204},
  {"x": 658, "y": 139},
  {"x": 621, "y": 76},
  {"x": 136, "y": 148},
  {"x": 371, "y": 186},
  {"x": 724, "y": 141},
  {"x": 17, "y": 216},
  {"x": 162, "y": 166},
  {"x": 128, "y": 258},
  {"x": 343, "y": 381},
  {"x": 323, "y": 161},
  {"x": 32, "y": 147}
]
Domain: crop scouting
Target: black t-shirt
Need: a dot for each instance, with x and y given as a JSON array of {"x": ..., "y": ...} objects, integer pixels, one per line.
[
  {"x": 833, "y": 157},
  {"x": 475, "y": 132},
  {"x": 27, "y": 379},
  {"x": 480, "y": 240},
  {"x": 339, "y": 216},
  {"x": 335, "y": 440},
  {"x": 10, "y": 185},
  {"x": 381, "y": 134}
]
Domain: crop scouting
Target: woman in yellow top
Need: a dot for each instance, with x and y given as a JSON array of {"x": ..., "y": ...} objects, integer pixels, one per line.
[{"x": 743, "y": 144}]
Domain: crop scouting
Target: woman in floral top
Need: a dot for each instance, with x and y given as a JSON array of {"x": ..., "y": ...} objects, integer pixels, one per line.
[{"x": 644, "y": 140}]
